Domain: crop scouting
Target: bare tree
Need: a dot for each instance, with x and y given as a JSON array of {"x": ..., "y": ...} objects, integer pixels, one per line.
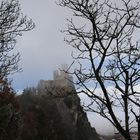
[
  {"x": 12, "y": 24},
  {"x": 107, "y": 55}
]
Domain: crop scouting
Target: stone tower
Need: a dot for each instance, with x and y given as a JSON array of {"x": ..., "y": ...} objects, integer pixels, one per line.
[{"x": 61, "y": 81}]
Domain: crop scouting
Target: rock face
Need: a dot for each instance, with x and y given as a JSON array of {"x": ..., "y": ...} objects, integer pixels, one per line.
[
  {"x": 68, "y": 105},
  {"x": 74, "y": 117},
  {"x": 52, "y": 111}
]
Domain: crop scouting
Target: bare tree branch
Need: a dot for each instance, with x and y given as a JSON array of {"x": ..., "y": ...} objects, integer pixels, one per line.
[{"x": 107, "y": 56}]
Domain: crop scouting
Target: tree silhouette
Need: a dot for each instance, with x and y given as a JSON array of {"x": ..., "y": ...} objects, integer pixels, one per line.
[
  {"x": 107, "y": 58},
  {"x": 10, "y": 117},
  {"x": 12, "y": 24}
]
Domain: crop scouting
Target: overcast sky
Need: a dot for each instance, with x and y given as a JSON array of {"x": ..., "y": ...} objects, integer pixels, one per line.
[{"x": 43, "y": 49}]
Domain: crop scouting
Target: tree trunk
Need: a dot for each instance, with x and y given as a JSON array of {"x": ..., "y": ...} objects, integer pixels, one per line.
[{"x": 138, "y": 129}]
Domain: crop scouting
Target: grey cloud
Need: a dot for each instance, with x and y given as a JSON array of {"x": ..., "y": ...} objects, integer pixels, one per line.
[{"x": 43, "y": 49}]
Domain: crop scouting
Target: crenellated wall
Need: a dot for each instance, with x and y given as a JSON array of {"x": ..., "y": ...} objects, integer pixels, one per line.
[{"x": 61, "y": 81}]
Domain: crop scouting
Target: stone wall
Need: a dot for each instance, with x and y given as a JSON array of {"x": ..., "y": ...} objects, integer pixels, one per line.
[{"x": 61, "y": 82}]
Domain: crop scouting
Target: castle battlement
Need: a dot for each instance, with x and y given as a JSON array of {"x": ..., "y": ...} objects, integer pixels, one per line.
[
  {"x": 61, "y": 81},
  {"x": 59, "y": 75}
]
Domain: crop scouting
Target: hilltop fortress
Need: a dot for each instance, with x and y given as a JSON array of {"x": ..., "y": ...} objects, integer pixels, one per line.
[
  {"x": 74, "y": 121},
  {"x": 62, "y": 81}
]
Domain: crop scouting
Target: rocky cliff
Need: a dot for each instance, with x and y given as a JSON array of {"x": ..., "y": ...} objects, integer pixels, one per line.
[
  {"x": 52, "y": 111},
  {"x": 68, "y": 105},
  {"x": 75, "y": 118}
]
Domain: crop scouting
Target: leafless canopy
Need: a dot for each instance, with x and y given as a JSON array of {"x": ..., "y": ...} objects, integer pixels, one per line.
[
  {"x": 107, "y": 57},
  {"x": 12, "y": 24}
]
